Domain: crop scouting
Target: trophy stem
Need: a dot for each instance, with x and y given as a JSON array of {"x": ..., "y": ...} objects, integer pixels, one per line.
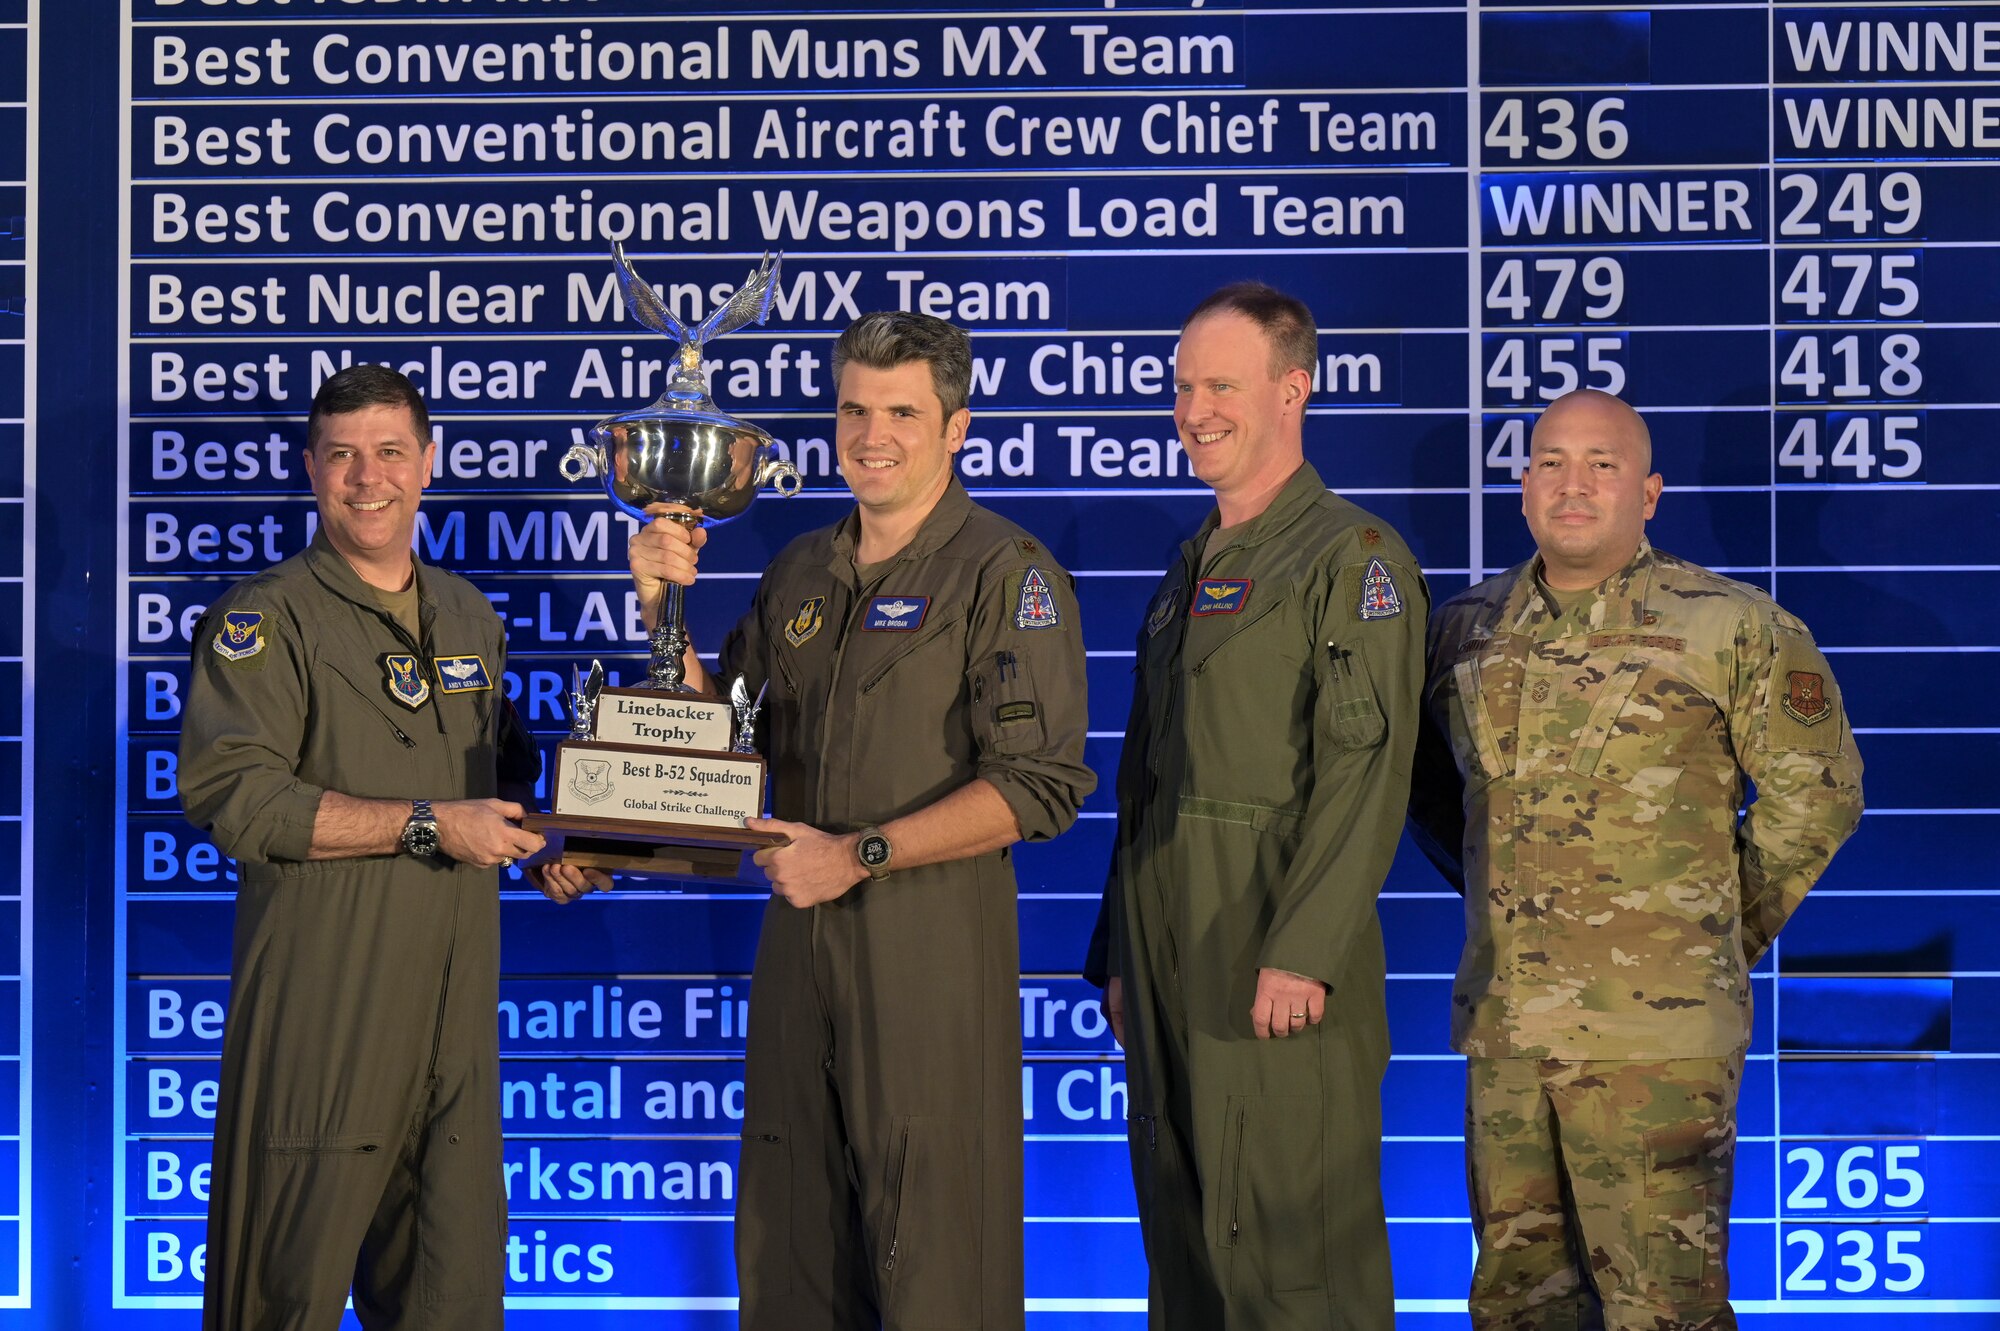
[{"x": 667, "y": 671}]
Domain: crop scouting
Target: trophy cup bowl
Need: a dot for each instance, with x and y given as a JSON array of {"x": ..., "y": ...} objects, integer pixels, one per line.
[{"x": 711, "y": 463}]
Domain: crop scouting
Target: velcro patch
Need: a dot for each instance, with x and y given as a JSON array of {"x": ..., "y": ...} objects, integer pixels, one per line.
[
  {"x": 241, "y": 635},
  {"x": 1805, "y": 699},
  {"x": 1009, "y": 712},
  {"x": 1037, "y": 606},
  {"x": 1379, "y": 597},
  {"x": 801, "y": 627},
  {"x": 407, "y": 684},
  {"x": 1220, "y": 596},
  {"x": 896, "y": 614},
  {"x": 1162, "y": 612},
  {"x": 462, "y": 674},
  {"x": 1804, "y": 708}
]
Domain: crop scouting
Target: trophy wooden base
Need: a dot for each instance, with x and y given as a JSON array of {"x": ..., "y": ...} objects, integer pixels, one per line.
[{"x": 671, "y": 850}]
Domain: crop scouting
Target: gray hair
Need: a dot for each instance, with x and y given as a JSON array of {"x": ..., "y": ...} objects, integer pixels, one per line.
[{"x": 889, "y": 338}]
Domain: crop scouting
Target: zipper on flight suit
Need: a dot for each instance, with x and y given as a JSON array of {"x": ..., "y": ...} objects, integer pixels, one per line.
[
  {"x": 896, "y": 1199},
  {"x": 444, "y": 991}
]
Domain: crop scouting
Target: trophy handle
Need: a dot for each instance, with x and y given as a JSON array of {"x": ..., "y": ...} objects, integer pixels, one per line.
[
  {"x": 580, "y": 461},
  {"x": 780, "y": 476}
]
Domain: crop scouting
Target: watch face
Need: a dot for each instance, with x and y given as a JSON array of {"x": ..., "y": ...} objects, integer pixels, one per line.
[
  {"x": 874, "y": 851},
  {"x": 421, "y": 838}
]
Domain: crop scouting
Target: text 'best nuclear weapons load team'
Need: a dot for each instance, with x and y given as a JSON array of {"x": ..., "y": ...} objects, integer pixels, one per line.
[{"x": 1572, "y": 742}]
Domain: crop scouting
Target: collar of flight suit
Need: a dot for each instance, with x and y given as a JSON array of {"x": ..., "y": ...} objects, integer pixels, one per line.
[
  {"x": 335, "y": 574},
  {"x": 1622, "y": 596},
  {"x": 1298, "y": 494},
  {"x": 939, "y": 526}
]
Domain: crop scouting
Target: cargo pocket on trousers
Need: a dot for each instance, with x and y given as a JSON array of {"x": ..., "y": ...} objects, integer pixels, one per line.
[
  {"x": 1681, "y": 1229},
  {"x": 314, "y": 1198},
  {"x": 764, "y": 1210},
  {"x": 927, "y": 1248},
  {"x": 1273, "y": 1192}
]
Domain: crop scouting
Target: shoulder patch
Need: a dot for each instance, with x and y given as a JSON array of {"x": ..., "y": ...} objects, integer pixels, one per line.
[
  {"x": 1027, "y": 547},
  {"x": 406, "y": 682},
  {"x": 1803, "y": 713},
  {"x": 1379, "y": 597},
  {"x": 241, "y": 635},
  {"x": 1036, "y": 608},
  {"x": 1371, "y": 536}
]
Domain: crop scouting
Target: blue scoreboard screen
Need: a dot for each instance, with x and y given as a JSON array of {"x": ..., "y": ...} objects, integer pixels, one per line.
[{"x": 1772, "y": 227}]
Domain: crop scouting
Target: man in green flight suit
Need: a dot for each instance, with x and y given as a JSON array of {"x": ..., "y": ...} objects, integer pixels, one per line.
[
  {"x": 1593, "y": 718},
  {"x": 347, "y": 741},
  {"x": 1260, "y": 799},
  {"x": 926, "y": 711}
]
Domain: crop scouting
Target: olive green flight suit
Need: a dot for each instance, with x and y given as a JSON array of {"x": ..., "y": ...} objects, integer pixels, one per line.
[
  {"x": 1260, "y": 798},
  {"x": 880, "y": 1177},
  {"x": 1580, "y": 777},
  {"x": 357, "y": 1137}
]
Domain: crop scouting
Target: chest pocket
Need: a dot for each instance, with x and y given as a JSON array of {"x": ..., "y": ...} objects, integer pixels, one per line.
[
  {"x": 1639, "y": 727},
  {"x": 1255, "y": 637},
  {"x": 926, "y": 664},
  {"x": 1475, "y": 739}
]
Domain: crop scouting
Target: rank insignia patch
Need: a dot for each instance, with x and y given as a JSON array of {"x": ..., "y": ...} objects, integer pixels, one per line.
[
  {"x": 1379, "y": 597},
  {"x": 407, "y": 684},
  {"x": 241, "y": 635},
  {"x": 1805, "y": 698},
  {"x": 1220, "y": 596},
  {"x": 1162, "y": 612},
  {"x": 800, "y": 628},
  {"x": 1037, "y": 608},
  {"x": 592, "y": 781},
  {"x": 896, "y": 614},
  {"x": 462, "y": 674},
  {"x": 1370, "y": 536}
]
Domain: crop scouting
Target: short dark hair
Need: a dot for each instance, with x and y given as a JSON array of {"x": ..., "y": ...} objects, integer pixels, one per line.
[
  {"x": 360, "y": 386},
  {"x": 888, "y": 338},
  {"x": 1285, "y": 320}
]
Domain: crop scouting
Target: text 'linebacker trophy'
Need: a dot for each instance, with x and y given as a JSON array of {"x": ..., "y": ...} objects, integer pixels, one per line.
[{"x": 660, "y": 778}]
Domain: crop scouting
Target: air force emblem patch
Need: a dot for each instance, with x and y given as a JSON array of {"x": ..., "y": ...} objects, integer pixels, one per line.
[
  {"x": 1220, "y": 596},
  {"x": 407, "y": 684},
  {"x": 896, "y": 614},
  {"x": 1379, "y": 597},
  {"x": 801, "y": 627},
  {"x": 241, "y": 635},
  {"x": 462, "y": 674},
  {"x": 1162, "y": 612},
  {"x": 1037, "y": 608},
  {"x": 1805, "y": 699}
]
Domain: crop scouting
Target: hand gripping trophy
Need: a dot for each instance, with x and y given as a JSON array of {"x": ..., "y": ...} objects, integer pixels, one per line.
[{"x": 660, "y": 778}]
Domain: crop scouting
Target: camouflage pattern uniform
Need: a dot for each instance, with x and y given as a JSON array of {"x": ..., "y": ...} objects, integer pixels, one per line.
[{"x": 1579, "y": 780}]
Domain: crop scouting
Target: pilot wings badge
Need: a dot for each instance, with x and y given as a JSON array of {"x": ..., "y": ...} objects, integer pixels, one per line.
[
  {"x": 463, "y": 674},
  {"x": 592, "y": 781}
]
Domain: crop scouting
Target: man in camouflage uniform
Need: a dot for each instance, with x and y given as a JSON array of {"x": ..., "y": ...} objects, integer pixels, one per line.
[
  {"x": 1260, "y": 799},
  {"x": 1594, "y": 715}
]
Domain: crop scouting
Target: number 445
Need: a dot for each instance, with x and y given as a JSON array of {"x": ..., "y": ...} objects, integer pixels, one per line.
[{"x": 1854, "y": 450}]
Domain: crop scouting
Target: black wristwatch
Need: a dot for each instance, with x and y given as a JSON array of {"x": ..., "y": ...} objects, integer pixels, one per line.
[
  {"x": 874, "y": 852},
  {"x": 420, "y": 834}
]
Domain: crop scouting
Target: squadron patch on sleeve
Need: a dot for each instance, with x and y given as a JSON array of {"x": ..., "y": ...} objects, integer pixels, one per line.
[
  {"x": 462, "y": 674},
  {"x": 407, "y": 684},
  {"x": 801, "y": 627},
  {"x": 241, "y": 635},
  {"x": 1805, "y": 699},
  {"x": 1036, "y": 608},
  {"x": 1379, "y": 597}
]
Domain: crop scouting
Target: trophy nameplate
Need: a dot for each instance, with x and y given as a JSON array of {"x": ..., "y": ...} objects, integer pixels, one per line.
[
  {"x": 676, "y": 720},
  {"x": 651, "y": 786}
]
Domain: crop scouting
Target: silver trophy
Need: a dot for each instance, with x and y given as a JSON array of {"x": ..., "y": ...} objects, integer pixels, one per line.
[
  {"x": 583, "y": 700},
  {"x": 683, "y": 449},
  {"x": 746, "y": 710}
]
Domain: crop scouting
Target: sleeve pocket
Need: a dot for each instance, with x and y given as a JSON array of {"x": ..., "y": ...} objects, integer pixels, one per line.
[
  {"x": 1007, "y": 715},
  {"x": 1350, "y": 717}
]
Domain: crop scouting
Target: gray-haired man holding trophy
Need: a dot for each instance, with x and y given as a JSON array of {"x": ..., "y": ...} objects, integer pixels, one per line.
[{"x": 923, "y": 674}]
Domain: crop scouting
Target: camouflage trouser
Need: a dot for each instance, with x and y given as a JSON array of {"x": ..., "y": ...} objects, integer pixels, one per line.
[{"x": 1600, "y": 1193}]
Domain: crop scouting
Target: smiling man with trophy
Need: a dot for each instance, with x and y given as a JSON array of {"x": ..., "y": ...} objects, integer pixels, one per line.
[{"x": 923, "y": 672}]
